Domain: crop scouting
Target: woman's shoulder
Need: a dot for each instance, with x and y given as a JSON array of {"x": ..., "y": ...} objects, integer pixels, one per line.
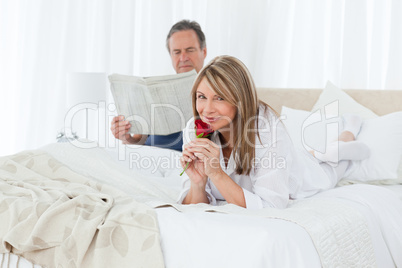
[
  {"x": 270, "y": 126},
  {"x": 268, "y": 117}
]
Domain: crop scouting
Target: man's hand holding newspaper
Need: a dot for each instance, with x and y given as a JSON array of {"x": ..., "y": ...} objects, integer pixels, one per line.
[{"x": 158, "y": 105}]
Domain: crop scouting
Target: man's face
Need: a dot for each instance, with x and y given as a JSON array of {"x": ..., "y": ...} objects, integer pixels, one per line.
[{"x": 185, "y": 51}]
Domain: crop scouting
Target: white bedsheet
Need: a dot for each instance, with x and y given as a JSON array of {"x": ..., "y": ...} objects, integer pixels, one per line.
[
  {"x": 205, "y": 239},
  {"x": 273, "y": 242},
  {"x": 13, "y": 261},
  {"x": 396, "y": 189},
  {"x": 383, "y": 211},
  {"x": 227, "y": 240}
]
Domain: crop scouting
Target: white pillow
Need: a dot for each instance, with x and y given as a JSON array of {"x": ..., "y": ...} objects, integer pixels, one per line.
[
  {"x": 336, "y": 101},
  {"x": 383, "y": 135},
  {"x": 310, "y": 130}
]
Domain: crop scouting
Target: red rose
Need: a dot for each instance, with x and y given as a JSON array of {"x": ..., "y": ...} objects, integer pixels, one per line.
[{"x": 202, "y": 129}]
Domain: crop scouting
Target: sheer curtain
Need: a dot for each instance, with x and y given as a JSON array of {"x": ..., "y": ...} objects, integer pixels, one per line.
[{"x": 293, "y": 43}]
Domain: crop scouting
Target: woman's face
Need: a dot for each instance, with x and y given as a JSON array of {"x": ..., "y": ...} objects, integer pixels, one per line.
[{"x": 213, "y": 109}]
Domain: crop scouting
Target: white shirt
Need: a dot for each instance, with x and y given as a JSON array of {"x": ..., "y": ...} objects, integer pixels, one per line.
[{"x": 281, "y": 171}]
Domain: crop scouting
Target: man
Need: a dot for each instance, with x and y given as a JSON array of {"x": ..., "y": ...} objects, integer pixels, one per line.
[{"x": 187, "y": 48}]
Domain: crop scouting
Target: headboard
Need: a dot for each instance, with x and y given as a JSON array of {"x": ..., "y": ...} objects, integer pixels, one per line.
[{"x": 380, "y": 102}]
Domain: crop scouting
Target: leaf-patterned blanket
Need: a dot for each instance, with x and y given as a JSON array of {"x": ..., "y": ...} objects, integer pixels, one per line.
[{"x": 55, "y": 217}]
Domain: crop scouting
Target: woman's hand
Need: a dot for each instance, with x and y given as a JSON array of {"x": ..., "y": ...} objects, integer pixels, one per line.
[
  {"x": 195, "y": 169},
  {"x": 205, "y": 155},
  {"x": 201, "y": 154},
  {"x": 207, "y": 152}
]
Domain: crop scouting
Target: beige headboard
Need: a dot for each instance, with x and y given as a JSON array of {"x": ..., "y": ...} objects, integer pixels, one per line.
[{"x": 379, "y": 101}]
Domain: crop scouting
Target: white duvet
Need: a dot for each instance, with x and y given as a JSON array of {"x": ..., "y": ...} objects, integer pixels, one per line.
[
  {"x": 207, "y": 239},
  {"x": 261, "y": 242}
]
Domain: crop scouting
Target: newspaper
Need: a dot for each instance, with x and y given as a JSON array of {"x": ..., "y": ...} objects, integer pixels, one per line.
[{"x": 158, "y": 105}]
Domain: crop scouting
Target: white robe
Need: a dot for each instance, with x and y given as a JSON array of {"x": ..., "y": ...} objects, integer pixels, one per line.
[{"x": 281, "y": 172}]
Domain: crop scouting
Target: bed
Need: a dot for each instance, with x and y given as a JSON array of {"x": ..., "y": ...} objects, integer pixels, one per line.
[{"x": 65, "y": 206}]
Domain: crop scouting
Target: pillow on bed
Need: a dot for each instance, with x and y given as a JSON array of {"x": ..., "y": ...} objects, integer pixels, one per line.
[
  {"x": 382, "y": 134},
  {"x": 347, "y": 104},
  {"x": 310, "y": 130}
]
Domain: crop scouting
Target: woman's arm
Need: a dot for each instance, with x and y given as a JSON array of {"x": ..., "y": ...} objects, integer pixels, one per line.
[
  {"x": 196, "y": 195},
  {"x": 195, "y": 170},
  {"x": 230, "y": 190},
  {"x": 209, "y": 154}
]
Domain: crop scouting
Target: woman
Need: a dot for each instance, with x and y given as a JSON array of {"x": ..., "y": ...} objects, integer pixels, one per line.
[{"x": 250, "y": 160}]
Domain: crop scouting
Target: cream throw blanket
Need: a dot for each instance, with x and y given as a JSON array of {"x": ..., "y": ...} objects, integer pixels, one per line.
[{"x": 55, "y": 217}]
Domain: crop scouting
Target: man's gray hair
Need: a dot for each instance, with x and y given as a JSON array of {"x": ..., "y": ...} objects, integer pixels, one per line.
[{"x": 187, "y": 25}]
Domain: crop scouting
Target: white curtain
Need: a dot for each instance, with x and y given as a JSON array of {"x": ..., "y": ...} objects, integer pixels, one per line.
[{"x": 292, "y": 43}]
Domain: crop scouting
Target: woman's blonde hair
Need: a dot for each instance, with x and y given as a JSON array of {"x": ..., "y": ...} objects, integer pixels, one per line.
[{"x": 231, "y": 80}]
